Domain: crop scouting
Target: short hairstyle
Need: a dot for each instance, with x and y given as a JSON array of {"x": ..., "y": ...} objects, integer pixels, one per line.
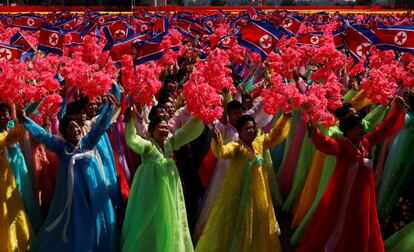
[
  {"x": 349, "y": 123},
  {"x": 343, "y": 111},
  {"x": 63, "y": 124},
  {"x": 5, "y": 107},
  {"x": 164, "y": 95},
  {"x": 153, "y": 123},
  {"x": 76, "y": 107},
  {"x": 233, "y": 105},
  {"x": 153, "y": 112},
  {"x": 243, "y": 120}
]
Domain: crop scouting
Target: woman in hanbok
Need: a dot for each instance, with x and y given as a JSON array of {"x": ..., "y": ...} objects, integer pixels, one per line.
[
  {"x": 346, "y": 216},
  {"x": 81, "y": 216},
  {"x": 156, "y": 218},
  {"x": 243, "y": 217},
  {"x": 16, "y": 231}
]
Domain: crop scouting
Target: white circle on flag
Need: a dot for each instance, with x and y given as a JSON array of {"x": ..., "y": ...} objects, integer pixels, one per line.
[
  {"x": 209, "y": 24},
  {"x": 30, "y": 22},
  {"x": 314, "y": 40},
  {"x": 9, "y": 21},
  {"x": 101, "y": 20},
  {"x": 53, "y": 39},
  {"x": 5, "y": 54},
  {"x": 320, "y": 18},
  {"x": 400, "y": 38},
  {"x": 144, "y": 28},
  {"x": 361, "y": 49},
  {"x": 120, "y": 34},
  {"x": 265, "y": 41},
  {"x": 226, "y": 41},
  {"x": 287, "y": 22}
]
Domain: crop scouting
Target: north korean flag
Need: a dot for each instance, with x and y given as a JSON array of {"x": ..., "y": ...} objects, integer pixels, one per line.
[
  {"x": 10, "y": 52},
  {"x": 311, "y": 38},
  {"x": 252, "y": 12},
  {"x": 16, "y": 21},
  {"x": 18, "y": 39},
  {"x": 148, "y": 50},
  {"x": 396, "y": 37},
  {"x": 50, "y": 39},
  {"x": 145, "y": 27},
  {"x": 117, "y": 31},
  {"x": 338, "y": 37},
  {"x": 227, "y": 41},
  {"x": 358, "y": 40},
  {"x": 260, "y": 37},
  {"x": 6, "y": 20},
  {"x": 100, "y": 19},
  {"x": 30, "y": 22},
  {"x": 291, "y": 24},
  {"x": 124, "y": 47},
  {"x": 321, "y": 17},
  {"x": 160, "y": 26},
  {"x": 76, "y": 38}
]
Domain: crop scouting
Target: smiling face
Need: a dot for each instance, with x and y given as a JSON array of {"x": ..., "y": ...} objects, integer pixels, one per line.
[
  {"x": 248, "y": 132},
  {"x": 91, "y": 109},
  {"x": 79, "y": 118},
  {"x": 160, "y": 132},
  {"x": 73, "y": 133}
]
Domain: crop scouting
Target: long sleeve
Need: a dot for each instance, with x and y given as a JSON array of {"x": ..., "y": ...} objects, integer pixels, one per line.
[
  {"x": 98, "y": 129},
  {"x": 325, "y": 144},
  {"x": 42, "y": 136},
  {"x": 374, "y": 117},
  {"x": 391, "y": 125},
  {"x": 278, "y": 133},
  {"x": 134, "y": 141},
  {"x": 190, "y": 131},
  {"x": 222, "y": 151},
  {"x": 15, "y": 134}
]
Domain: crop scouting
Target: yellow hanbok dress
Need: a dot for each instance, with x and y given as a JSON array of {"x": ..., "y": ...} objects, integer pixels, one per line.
[
  {"x": 243, "y": 218},
  {"x": 15, "y": 228}
]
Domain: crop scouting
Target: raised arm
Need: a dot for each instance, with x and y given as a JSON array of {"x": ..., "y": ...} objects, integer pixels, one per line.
[
  {"x": 189, "y": 132},
  {"x": 220, "y": 150},
  {"x": 99, "y": 128},
  {"x": 391, "y": 125},
  {"x": 278, "y": 133},
  {"x": 325, "y": 144},
  {"x": 12, "y": 136},
  {"x": 134, "y": 141},
  {"x": 42, "y": 136}
]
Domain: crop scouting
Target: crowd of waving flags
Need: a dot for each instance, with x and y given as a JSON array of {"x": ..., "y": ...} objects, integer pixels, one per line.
[{"x": 141, "y": 34}]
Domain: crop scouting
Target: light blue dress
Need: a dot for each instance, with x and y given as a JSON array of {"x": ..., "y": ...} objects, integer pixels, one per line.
[{"x": 81, "y": 216}]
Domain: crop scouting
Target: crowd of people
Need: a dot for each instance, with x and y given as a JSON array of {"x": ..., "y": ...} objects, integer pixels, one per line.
[{"x": 198, "y": 149}]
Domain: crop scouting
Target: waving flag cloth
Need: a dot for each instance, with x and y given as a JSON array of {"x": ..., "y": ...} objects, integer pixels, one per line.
[
  {"x": 117, "y": 31},
  {"x": 19, "y": 40},
  {"x": 291, "y": 24},
  {"x": 227, "y": 41},
  {"x": 124, "y": 47},
  {"x": 10, "y": 52},
  {"x": 260, "y": 37},
  {"x": 160, "y": 26},
  {"x": 321, "y": 17},
  {"x": 396, "y": 37},
  {"x": 50, "y": 39},
  {"x": 311, "y": 38},
  {"x": 76, "y": 38},
  {"x": 30, "y": 22},
  {"x": 358, "y": 40},
  {"x": 147, "y": 50}
]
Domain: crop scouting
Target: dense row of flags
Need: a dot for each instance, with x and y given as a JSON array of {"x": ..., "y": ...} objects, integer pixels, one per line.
[{"x": 141, "y": 34}]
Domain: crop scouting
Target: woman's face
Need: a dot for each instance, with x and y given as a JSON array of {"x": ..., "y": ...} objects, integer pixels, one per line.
[
  {"x": 169, "y": 107},
  {"x": 248, "y": 132},
  {"x": 79, "y": 118},
  {"x": 162, "y": 113},
  {"x": 91, "y": 109},
  {"x": 4, "y": 119},
  {"x": 73, "y": 133},
  {"x": 161, "y": 132}
]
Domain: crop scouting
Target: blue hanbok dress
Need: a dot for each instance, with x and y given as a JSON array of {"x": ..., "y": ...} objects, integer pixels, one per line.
[{"x": 81, "y": 216}]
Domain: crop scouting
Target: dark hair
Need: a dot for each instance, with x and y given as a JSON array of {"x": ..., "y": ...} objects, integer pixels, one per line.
[
  {"x": 243, "y": 120},
  {"x": 153, "y": 112},
  {"x": 76, "y": 107},
  {"x": 349, "y": 123},
  {"x": 342, "y": 111},
  {"x": 232, "y": 106},
  {"x": 63, "y": 124},
  {"x": 5, "y": 107},
  {"x": 164, "y": 95},
  {"x": 153, "y": 123}
]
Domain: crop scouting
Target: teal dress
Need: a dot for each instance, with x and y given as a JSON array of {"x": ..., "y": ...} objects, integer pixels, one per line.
[
  {"x": 81, "y": 216},
  {"x": 156, "y": 218},
  {"x": 23, "y": 182}
]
